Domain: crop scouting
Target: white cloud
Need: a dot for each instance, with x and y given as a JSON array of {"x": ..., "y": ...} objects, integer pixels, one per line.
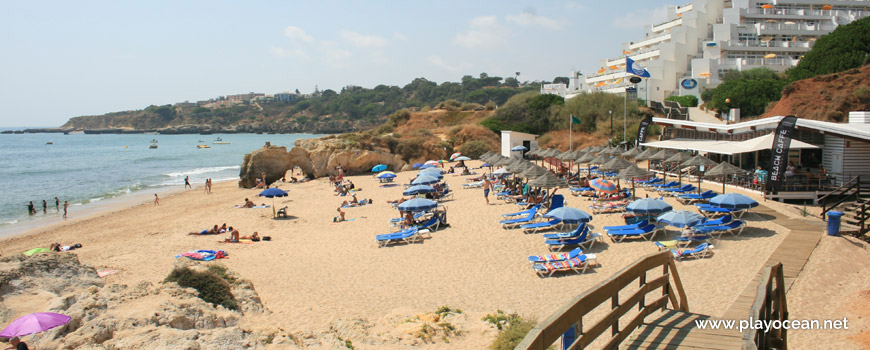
[
  {"x": 641, "y": 18},
  {"x": 289, "y": 53},
  {"x": 297, "y": 34},
  {"x": 379, "y": 57},
  {"x": 485, "y": 32},
  {"x": 529, "y": 19},
  {"x": 335, "y": 56},
  {"x": 399, "y": 36},
  {"x": 363, "y": 40},
  {"x": 440, "y": 63},
  {"x": 574, "y": 5}
]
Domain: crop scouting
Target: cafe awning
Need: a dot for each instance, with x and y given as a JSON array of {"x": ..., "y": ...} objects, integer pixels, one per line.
[{"x": 726, "y": 147}]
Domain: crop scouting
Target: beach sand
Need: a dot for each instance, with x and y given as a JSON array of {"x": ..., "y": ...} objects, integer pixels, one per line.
[{"x": 315, "y": 272}]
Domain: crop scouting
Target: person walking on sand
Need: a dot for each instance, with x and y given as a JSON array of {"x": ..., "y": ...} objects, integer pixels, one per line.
[
  {"x": 210, "y": 182},
  {"x": 156, "y": 199},
  {"x": 44, "y": 207},
  {"x": 487, "y": 186},
  {"x": 187, "y": 182},
  {"x": 56, "y": 204},
  {"x": 65, "y": 208}
]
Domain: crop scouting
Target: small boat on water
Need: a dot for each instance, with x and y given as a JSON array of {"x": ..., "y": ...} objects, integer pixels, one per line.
[
  {"x": 153, "y": 144},
  {"x": 49, "y": 143},
  {"x": 219, "y": 141},
  {"x": 203, "y": 146}
]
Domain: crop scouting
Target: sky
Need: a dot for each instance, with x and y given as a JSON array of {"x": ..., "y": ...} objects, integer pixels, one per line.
[{"x": 61, "y": 59}]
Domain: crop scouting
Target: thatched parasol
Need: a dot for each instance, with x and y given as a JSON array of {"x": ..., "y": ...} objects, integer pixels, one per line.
[
  {"x": 631, "y": 153},
  {"x": 699, "y": 161},
  {"x": 600, "y": 159},
  {"x": 678, "y": 158},
  {"x": 615, "y": 164},
  {"x": 632, "y": 172},
  {"x": 724, "y": 169},
  {"x": 548, "y": 180}
]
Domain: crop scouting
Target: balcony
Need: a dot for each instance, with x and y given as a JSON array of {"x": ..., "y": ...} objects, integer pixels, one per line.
[
  {"x": 650, "y": 53},
  {"x": 793, "y": 28},
  {"x": 667, "y": 25},
  {"x": 651, "y": 41},
  {"x": 771, "y": 46}
]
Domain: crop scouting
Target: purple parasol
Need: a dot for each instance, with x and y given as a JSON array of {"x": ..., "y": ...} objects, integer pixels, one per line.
[{"x": 34, "y": 323}]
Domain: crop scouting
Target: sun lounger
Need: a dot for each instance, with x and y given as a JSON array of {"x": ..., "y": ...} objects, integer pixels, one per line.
[
  {"x": 524, "y": 212},
  {"x": 710, "y": 210},
  {"x": 690, "y": 198},
  {"x": 701, "y": 251},
  {"x": 674, "y": 191},
  {"x": 579, "y": 237},
  {"x": 649, "y": 182},
  {"x": 722, "y": 220},
  {"x": 410, "y": 235},
  {"x": 646, "y": 232},
  {"x": 519, "y": 221},
  {"x": 697, "y": 237},
  {"x": 735, "y": 228},
  {"x": 639, "y": 224},
  {"x": 578, "y": 265},
  {"x": 540, "y": 259},
  {"x": 669, "y": 184},
  {"x": 545, "y": 225},
  {"x": 616, "y": 207},
  {"x": 478, "y": 184}
]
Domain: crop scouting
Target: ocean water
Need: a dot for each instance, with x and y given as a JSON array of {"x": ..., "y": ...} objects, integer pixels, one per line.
[{"x": 86, "y": 169}]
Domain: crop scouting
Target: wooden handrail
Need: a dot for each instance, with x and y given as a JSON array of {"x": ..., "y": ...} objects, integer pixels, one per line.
[
  {"x": 548, "y": 331},
  {"x": 855, "y": 184},
  {"x": 769, "y": 305}
]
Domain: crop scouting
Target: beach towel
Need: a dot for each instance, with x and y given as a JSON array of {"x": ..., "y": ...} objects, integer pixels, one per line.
[
  {"x": 36, "y": 250},
  {"x": 254, "y": 207},
  {"x": 554, "y": 257},
  {"x": 203, "y": 255},
  {"x": 104, "y": 273},
  {"x": 389, "y": 185}
]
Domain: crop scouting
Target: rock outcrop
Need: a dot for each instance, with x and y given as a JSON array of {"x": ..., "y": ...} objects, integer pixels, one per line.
[{"x": 316, "y": 157}]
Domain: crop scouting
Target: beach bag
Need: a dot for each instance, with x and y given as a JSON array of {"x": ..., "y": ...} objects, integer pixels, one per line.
[{"x": 267, "y": 238}]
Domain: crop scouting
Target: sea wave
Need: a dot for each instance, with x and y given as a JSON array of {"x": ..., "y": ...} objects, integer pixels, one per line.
[{"x": 199, "y": 171}]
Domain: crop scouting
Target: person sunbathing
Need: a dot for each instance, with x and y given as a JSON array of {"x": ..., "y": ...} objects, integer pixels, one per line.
[
  {"x": 255, "y": 237},
  {"x": 340, "y": 216},
  {"x": 409, "y": 220},
  {"x": 398, "y": 201},
  {"x": 57, "y": 247},
  {"x": 248, "y": 204},
  {"x": 260, "y": 184},
  {"x": 213, "y": 231},
  {"x": 234, "y": 235}
]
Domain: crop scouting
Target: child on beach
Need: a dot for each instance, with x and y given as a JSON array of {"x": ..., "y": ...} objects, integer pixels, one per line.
[
  {"x": 65, "y": 206},
  {"x": 340, "y": 216},
  {"x": 156, "y": 199}
]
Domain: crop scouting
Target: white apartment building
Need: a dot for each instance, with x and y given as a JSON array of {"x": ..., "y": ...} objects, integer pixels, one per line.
[{"x": 699, "y": 41}]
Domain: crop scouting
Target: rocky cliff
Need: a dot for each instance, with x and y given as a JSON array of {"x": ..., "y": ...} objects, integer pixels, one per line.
[
  {"x": 826, "y": 97},
  {"x": 316, "y": 157}
]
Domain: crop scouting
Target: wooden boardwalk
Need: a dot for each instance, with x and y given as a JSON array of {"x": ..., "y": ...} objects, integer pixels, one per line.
[
  {"x": 793, "y": 253},
  {"x": 676, "y": 329}
]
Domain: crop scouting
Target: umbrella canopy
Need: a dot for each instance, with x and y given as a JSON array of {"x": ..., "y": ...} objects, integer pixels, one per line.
[
  {"x": 724, "y": 169},
  {"x": 461, "y": 158},
  {"x": 416, "y": 165},
  {"x": 533, "y": 172},
  {"x": 386, "y": 175},
  {"x": 417, "y": 204},
  {"x": 680, "y": 218},
  {"x": 504, "y": 161},
  {"x": 272, "y": 193},
  {"x": 454, "y": 155},
  {"x": 34, "y": 323},
  {"x": 572, "y": 155},
  {"x": 501, "y": 171},
  {"x": 431, "y": 162},
  {"x": 485, "y": 165},
  {"x": 589, "y": 149},
  {"x": 699, "y": 160},
  {"x": 631, "y": 153},
  {"x": 553, "y": 153},
  {"x": 432, "y": 170},
  {"x": 649, "y": 152},
  {"x": 603, "y": 185},
  {"x": 548, "y": 180},
  {"x": 424, "y": 180},
  {"x": 517, "y": 167},
  {"x": 615, "y": 164},
  {"x": 430, "y": 174},
  {"x": 633, "y": 172},
  {"x": 661, "y": 155},
  {"x": 568, "y": 214},
  {"x": 680, "y": 157},
  {"x": 615, "y": 151},
  {"x": 649, "y": 206},
  {"x": 485, "y": 155},
  {"x": 418, "y": 189},
  {"x": 587, "y": 158},
  {"x": 733, "y": 201},
  {"x": 379, "y": 167},
  {"x": 427, "y": 166},
  {"x": 519, "y": 148},
  {"x": 604, "y": 158}
]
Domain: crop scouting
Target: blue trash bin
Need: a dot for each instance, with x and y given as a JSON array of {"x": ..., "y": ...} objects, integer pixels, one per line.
[{"x": 834, "y": 222}]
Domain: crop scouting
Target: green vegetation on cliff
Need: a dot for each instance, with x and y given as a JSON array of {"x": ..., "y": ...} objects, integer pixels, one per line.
[{"x": 845, "y": 48}]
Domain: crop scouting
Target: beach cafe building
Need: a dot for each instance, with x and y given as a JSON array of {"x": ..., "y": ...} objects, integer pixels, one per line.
[
  {"x": 825, "y": 155},
  {"x": 511, "y": 139}
]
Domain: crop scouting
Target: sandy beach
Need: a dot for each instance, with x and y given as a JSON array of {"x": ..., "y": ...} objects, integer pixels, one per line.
[{"x": 315, "y": 273}]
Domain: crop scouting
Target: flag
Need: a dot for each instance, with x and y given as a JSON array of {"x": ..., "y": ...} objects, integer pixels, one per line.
[
  {"x": 635, "y": 68},
  {"x": 575, "y": 120},
  {"x": 779, "y": 150},
  {"x": 642, "y": 131}
]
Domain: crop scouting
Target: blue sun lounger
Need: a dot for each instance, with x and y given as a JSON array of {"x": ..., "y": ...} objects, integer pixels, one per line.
[
  {"x": 710, "y": 210},
  {"x": 524, "y": 212},
  {"x": 695, "y": 197},
  {"x": 578, "y": 265},
  {"x": 539, "y": 259},
  {"x": 519, "y": 221},
  {"x": 669, "y": 184},
  {"x": 646, "y": 232},
  {"x": 735, "y": 228},
  {"x": 639, "y": 224},
  {"x": 701, "y": 251},
  {"x": 408, "y": 236},
  {"x": 568, "y": 235},
  {"x": 582, "y": 240},
  {"x": 722, "y": 220},
  {"x": 674, "y": 191},
  {"x": 649, "y": 182},
  {"x": 545, "y": 225}
]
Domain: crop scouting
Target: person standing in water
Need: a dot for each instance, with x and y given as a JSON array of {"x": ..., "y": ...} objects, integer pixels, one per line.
[
  {"x": 56, "y": 204},
  {"x": 65, "y": 207},
  {"x": 30, "y": 209},
  {"x": 44, "y": 207},
  {"x": 187, "y": 182}
]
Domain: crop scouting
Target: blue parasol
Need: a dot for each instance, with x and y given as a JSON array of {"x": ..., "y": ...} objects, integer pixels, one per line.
[
  {"x": 416, "y": 165},
  {"x": 733, "y": 201},
  {"x": 424, "y": 180},
  {"x": 417, "y": 204},
  {"x": 680, "y": 218},
  {"x": 272, "y": 193},
  {"x": 461, "y": 158},
  {"x": 418, "y": 189},
  {"x": 379, "y": 167},
  {"x": 427, "y": 166},
  {"x": 568, "y": 214},
  {"x": 519, "y": 148},
  {"x": 649, "y": 206},
  {"x": 431, "y": 173}
]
